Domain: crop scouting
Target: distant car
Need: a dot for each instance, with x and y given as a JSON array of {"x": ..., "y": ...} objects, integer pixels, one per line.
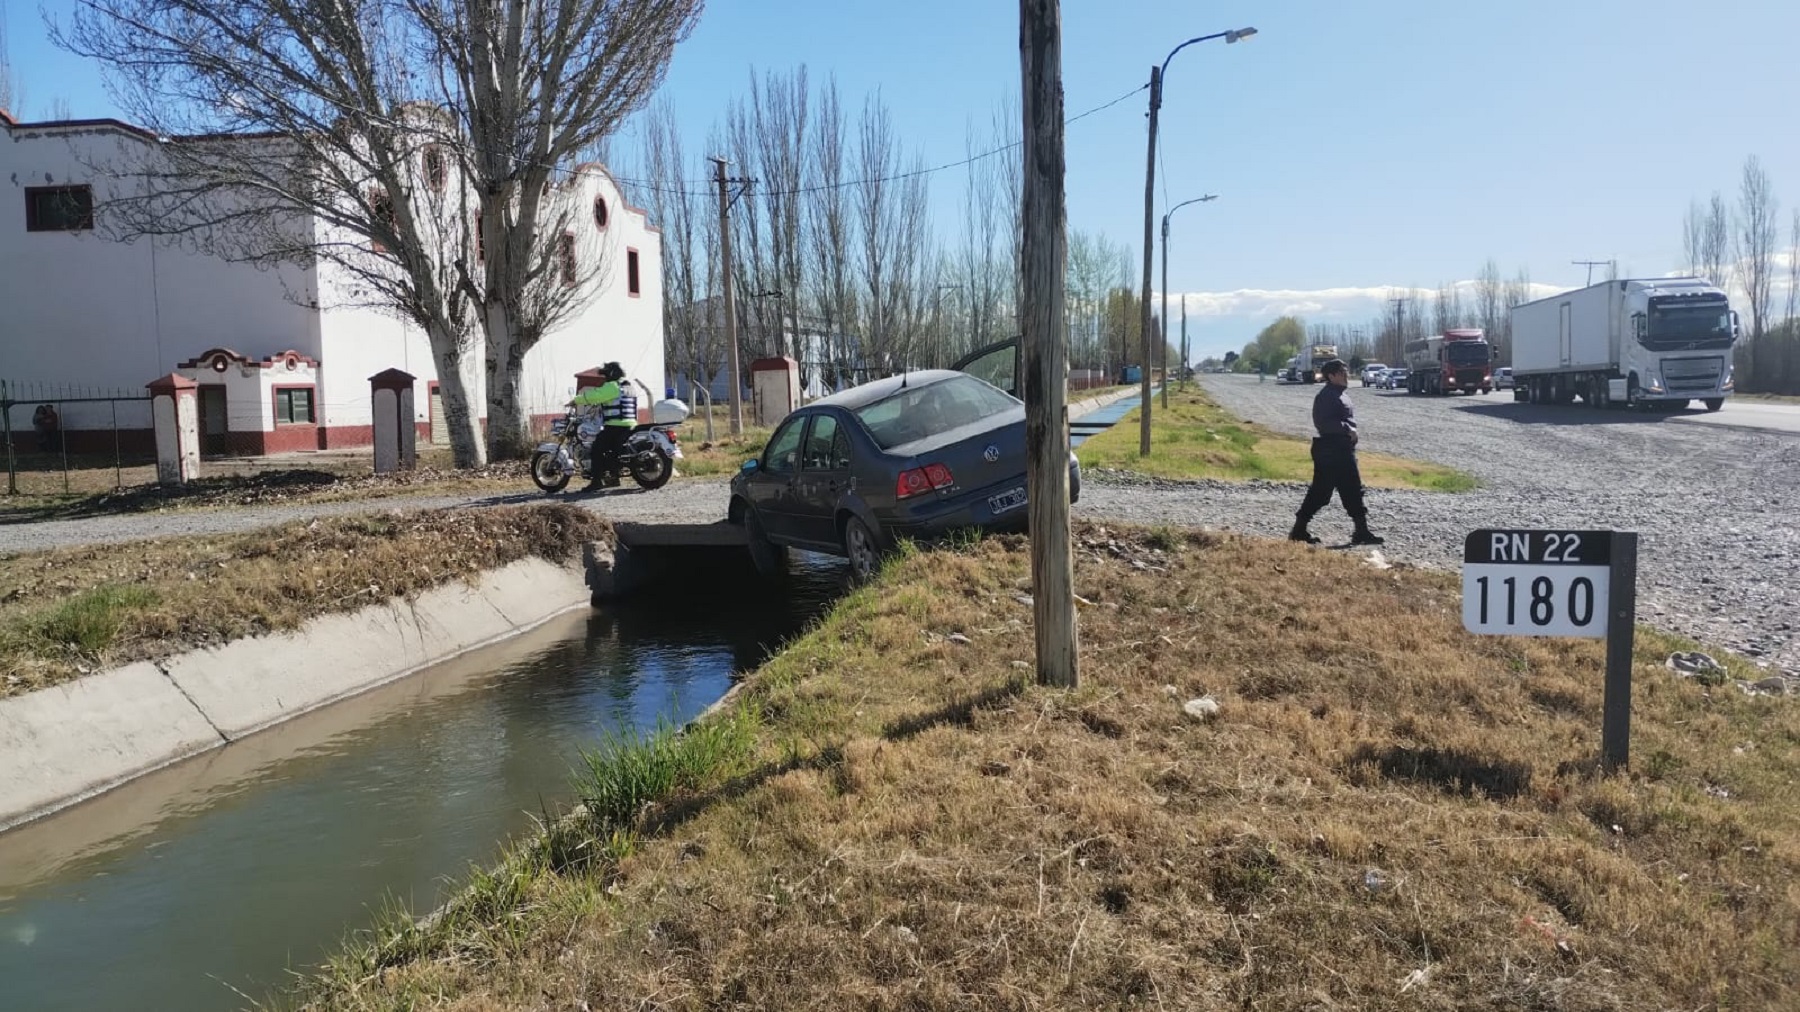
[
  {"x": 1371, "y": 373},
  {"x": 1503, "y": 378},
  {"x": 1394, "y": 379},
  {"x": 914, "y": 456}
]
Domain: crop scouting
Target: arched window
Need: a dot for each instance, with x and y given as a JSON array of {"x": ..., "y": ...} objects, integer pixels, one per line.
[{"x": 569, "y": 266}]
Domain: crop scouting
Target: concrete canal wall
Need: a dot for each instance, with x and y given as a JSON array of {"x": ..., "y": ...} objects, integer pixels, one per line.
[{"x": 69, "y": 742}]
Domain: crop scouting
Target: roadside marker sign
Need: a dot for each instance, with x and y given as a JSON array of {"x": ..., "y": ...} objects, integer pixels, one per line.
[{"x": 1560, "y": 583}]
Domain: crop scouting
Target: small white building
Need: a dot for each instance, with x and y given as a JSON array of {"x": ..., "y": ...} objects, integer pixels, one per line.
[{"x": 283, "y": 363}]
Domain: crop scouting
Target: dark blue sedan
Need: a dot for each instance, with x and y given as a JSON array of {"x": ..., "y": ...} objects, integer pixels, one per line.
[{"x": 914, "y": 456}]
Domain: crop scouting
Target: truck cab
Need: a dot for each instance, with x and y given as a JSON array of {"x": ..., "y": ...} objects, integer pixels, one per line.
[{"x": 1678, "y": 343}]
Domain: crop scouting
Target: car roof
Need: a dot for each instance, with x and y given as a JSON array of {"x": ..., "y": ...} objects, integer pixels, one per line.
[{"x": 881, "y": 389}]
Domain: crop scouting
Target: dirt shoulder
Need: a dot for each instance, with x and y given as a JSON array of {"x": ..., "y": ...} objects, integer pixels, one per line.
[
  {"x": 72, "y": 611},
  {"x": 1383, "y": 812}
]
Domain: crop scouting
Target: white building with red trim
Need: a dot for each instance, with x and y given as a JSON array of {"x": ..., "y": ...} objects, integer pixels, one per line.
[{"x": 282, "y": 364}]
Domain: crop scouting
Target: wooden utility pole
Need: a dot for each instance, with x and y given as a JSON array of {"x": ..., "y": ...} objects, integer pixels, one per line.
[
  {"x": 1149, "y": 255},
  {"x": 731, "y": 339},
  {"x": 1044, "y": 255}
]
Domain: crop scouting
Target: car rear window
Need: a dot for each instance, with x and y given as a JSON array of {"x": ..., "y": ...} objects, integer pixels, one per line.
[{"x": 917, "y": 412}]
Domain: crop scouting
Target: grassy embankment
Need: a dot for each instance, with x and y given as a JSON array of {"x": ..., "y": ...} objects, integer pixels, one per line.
[
  {"x": 1195, "y": 438},
  {"x": 95, "y": 489},
  {"x": 69, "y": 612},
  {"x": 1385, "y": 813}
]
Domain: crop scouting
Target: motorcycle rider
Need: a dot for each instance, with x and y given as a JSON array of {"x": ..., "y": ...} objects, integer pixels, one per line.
[{"x": 618, "y": 415}]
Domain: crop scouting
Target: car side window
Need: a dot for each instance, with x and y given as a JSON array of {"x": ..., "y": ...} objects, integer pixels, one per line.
[
  {"x": 783, "y": 454},
  {"x": 827, "y": 446}
]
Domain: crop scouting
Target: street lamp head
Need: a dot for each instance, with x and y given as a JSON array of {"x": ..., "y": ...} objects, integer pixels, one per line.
[{"x": 1240, "y": 34}]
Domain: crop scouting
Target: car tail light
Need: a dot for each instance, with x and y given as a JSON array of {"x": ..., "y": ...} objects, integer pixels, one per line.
[{"x": 921, "y": 480}]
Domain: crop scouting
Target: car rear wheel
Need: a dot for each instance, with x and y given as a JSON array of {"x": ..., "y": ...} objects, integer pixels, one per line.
[{"x": 862, "y": 550}]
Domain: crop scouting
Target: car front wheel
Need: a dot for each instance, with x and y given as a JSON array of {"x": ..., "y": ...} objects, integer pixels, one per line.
[{"x": 862, "y": 550}]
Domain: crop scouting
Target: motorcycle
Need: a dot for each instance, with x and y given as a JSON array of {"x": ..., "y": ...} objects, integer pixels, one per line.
[{"x": 649, "y": 453}]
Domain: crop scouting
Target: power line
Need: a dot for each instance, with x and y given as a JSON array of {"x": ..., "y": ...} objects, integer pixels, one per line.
[{"x": 804, "y": 190}]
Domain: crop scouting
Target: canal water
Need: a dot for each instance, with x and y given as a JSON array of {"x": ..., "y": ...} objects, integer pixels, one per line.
[{"x": 201, "y": 887}]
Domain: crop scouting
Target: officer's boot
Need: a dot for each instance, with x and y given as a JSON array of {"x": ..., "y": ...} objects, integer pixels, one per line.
[
  {"x": 1300, "y": 533},
  {"x": 1363, "y": 535}
]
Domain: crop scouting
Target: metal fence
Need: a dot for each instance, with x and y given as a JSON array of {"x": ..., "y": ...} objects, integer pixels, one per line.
[{"x": 61, "y": 439}]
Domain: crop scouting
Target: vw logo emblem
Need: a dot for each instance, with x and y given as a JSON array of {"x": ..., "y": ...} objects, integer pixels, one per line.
[{"x": 991, "y": 454}]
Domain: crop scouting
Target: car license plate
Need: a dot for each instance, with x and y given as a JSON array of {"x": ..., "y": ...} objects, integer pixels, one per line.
[{"x": 1006, "y": 502}]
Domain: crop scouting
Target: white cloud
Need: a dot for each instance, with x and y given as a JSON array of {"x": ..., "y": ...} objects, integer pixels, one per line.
[{"x": 1319, "y": 303}]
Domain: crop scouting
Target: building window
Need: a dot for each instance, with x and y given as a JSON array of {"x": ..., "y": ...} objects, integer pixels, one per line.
[
  {"x": 600, "y": 213},
  {"x": 436, "y": 171},
  {"x": 293, "y": 406},
  {"x": 382, "y": 218},
  {"x": 567, "y": 251},
  {"x": 631, "y": 273},
  {"x": 59, "y": 208}
]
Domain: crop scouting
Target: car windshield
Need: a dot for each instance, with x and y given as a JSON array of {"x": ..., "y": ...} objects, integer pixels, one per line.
[{"x": 914, "y": 413}]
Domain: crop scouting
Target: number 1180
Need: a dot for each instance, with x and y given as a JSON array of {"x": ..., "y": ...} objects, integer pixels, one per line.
[{"x": 1540, "y": 601}]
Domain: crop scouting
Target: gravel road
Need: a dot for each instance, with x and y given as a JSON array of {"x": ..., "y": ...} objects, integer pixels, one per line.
[{"x": 1714, "y": 506}]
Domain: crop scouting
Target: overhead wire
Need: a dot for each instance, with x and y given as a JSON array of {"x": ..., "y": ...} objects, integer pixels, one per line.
[{"x": 897, "y": 177}]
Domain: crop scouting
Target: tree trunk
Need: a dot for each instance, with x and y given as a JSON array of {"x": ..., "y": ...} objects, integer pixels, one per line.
[
  {"x": 509, "y": 425},
  {"x": 464, "y": 428}
]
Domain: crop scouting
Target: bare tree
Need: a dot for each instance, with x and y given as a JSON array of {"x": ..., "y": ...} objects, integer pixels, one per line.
[
  {"x": 1487, "y": 298},
  {"x": 1793, "y": 278},
  {"x": 830, "y": 227},
  {"x": 398, "y": 126},
  {"x": 536, "y": 87},
  {"x": 11, "y": 95},
  {"x": 690, "y": 339},
  {"x": 879, "y": 214},
  {"x": 985, "y": 267},
  {"x": 1447, "y": 313},
  {"x": 781, "y": 108},
  {"x": 1715, "y": 243},
  {"x": 1754, "y": 241},
  {"x": 313, "y": 158}
]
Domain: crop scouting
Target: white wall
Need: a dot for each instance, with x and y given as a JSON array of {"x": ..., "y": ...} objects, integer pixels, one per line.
[{"x": 84, "y": 310}]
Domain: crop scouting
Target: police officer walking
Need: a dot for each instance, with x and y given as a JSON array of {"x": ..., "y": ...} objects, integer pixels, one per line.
[{"x": 1334, "y": 459}]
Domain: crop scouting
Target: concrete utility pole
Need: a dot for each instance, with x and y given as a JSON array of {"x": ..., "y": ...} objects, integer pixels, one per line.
[
  {"x": 1044, "y": 255},
  {"x": 1170, "y": 213},
  {"x": 731, "y": 340},
  {"x": 1186, "y": 355}
]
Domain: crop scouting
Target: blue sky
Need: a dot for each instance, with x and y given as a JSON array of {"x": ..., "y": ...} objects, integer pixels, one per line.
[{"x": 1356, "y": 147}]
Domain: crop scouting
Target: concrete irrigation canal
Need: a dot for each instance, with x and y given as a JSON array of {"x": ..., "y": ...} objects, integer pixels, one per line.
[{"x": 199, "y": 887}]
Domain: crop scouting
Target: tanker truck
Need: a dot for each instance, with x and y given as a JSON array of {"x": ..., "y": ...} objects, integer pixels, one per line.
[
  {"x": 1459, "y": 359},
  {"x": 1649, "y": 344}
]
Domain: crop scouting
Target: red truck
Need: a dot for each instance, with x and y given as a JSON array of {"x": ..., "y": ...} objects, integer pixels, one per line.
[{"x": 1458, "y": 360}]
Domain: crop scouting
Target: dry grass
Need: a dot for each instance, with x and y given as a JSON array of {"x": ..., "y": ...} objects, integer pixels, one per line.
[
  {"x": 67, "y": 612},
  {"x": 1387, "y": 813},
  {"x": 1195, "y": 438}
]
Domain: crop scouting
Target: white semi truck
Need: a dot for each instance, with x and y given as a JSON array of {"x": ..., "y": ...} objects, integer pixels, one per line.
[
  {"x": 1655, "y": 344},
  {"x": 1310, "y": 363}
]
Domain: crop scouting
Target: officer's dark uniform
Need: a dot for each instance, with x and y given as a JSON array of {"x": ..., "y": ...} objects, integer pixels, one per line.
[{"x": 1334, "y": 461}]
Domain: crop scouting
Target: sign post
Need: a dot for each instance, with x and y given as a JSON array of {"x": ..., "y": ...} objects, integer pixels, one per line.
[{"x": 1561, "y": 583}]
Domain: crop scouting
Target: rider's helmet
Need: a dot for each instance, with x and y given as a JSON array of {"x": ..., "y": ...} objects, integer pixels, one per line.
[{"x": 613, "y": 371}]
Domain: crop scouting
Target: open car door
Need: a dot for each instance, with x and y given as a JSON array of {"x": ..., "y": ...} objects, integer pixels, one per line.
[{"x": 997, "y": 364}]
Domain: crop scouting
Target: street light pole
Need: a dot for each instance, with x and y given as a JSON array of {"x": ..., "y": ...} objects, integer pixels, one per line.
[
  {"x": 1164, "y": 354},
  {"x": 1156, "y": 82}
]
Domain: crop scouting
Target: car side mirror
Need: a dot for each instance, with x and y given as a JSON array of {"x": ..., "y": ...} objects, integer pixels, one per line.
[{"x": 750, "y": 465}]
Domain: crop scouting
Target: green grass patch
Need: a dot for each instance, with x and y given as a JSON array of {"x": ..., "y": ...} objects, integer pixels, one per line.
[
  {"x": 91, "y": 621},
  {"x": 1195, "y": 438}
]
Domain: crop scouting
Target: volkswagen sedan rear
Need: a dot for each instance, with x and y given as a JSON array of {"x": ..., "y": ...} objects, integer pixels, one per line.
[{"x": 914, "y": 457}]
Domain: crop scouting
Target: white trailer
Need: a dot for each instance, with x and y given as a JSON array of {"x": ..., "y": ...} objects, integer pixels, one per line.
[
  {"x": 1308, "y": 365},
  {"x": 1656, "y": 343}
]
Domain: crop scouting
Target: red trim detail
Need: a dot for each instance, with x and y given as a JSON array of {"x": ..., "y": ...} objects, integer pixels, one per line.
[
  {"x": 280, "y": 360},
  {"x": 171, "y": 384},
  {"x": 620, "y": 190},
  {"x": 209, "y": 358},
  {"x": 336, "y": 437}
]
